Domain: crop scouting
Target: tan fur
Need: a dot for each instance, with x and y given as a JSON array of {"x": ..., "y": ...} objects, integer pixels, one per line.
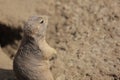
[{"x": 32, "y": 59}]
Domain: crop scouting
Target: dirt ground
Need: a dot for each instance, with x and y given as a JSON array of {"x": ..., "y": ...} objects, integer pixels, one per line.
[{"x": 85, "y": 33}]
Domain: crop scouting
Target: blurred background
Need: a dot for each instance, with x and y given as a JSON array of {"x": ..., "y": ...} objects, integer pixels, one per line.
[{"x": 85, "y": 33}]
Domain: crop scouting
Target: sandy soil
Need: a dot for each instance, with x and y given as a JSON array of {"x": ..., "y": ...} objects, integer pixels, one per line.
[{"x": 86, "y": 34}]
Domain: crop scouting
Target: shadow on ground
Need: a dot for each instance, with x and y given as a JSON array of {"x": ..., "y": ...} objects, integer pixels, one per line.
[
  {"x": 8, "y": 35},
  {"x": 6, "y": 74}
]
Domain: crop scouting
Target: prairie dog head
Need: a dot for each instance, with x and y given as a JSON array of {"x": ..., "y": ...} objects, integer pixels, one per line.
[{"x": 36, "y": 26}]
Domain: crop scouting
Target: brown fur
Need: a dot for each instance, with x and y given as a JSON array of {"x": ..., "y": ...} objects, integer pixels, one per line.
[{"x": 32, "y": 59}]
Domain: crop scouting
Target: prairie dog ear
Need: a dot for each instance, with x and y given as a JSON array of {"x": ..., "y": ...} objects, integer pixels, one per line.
[{"x": 26, "y": 28}]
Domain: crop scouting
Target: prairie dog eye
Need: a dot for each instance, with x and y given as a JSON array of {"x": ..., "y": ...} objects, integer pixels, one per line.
[{"x": 41, "y": 21}]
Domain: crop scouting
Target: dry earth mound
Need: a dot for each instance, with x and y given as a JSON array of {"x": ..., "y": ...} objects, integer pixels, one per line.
[{"x": 86, "y": 34}]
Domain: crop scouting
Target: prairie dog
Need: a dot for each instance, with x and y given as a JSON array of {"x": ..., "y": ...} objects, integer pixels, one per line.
[{"x": 32, "y": 58}]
